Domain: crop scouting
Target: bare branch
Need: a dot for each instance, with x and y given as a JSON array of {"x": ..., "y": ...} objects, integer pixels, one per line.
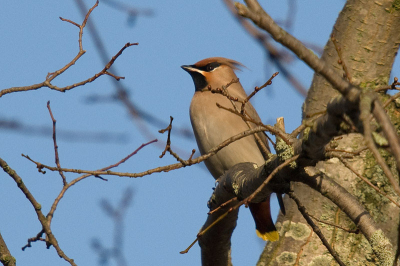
[
  {"x": 117, "y": 215},
  {"x": 5, "y": 256},
  {"x": 380, "y": 244},
  {"x": 270, "y": 176},
  {"x": 268, "y": 128},
  {"x": 254, "y": 11},
  {"x": 242, "y": 181},
  {"x": 50, "y": 238},
  {"x": 50, "y": 76},
  {"x": 388, "y": 128},
  {"x": 273, "y": 54},
  {"x": 315, "y": 228},
  {"x": 55, "y": 145},
  {"x": 341, "y": 59},
  {"x": 131, "y": 11},
  {"x": 38, "y": 237},
  {"x": 367, "y": 181},
  {"x": 169, "y": 149},
  {"x": 390, "y": 87},
  {"x": 257, "y": 89},
  {"x": 334, "y": 225},
  {"x": 391, "y": 99},
  {"x": 365, "y": 107},
  {"x": 103, "y": 171},
  {"x": 140, "y": 117},
  {"x": 302, "y": 247},
  {"x": 166, "y": 168}
]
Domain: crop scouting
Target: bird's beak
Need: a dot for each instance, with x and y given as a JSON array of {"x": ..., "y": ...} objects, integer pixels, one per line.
[{"x": 189, "y": 68}]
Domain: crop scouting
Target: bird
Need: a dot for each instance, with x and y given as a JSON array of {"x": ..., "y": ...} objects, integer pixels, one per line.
[{"x": 213, "y": 125}]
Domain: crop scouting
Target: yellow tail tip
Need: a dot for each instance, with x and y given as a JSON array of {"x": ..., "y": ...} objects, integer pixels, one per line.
[{"x": 268, "y": 236}]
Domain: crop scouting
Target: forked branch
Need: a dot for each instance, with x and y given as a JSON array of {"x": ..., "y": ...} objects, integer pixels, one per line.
[{"x": 52, "y": 75}]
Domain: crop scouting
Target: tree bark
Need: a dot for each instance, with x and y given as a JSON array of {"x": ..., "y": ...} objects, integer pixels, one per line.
[{"x": 367, "y": 38}]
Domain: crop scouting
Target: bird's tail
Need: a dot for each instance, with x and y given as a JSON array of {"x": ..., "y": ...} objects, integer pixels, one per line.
[{"x": 265, "y": 227}]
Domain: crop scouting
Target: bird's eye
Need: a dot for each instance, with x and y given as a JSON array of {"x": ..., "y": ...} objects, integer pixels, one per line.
[{"x": 210, "y": 67}]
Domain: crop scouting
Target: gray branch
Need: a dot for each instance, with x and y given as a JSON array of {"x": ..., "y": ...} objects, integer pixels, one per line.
[{"x": 355, "y": 211}]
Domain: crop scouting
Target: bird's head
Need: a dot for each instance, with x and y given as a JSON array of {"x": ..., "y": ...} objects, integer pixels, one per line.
[{"x": 215, "y": 72}]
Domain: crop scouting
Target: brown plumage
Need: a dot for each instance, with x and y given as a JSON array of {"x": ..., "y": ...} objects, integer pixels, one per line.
[
  {"x": 235, "y": 65},
  {"x": 213, "y": 125}
]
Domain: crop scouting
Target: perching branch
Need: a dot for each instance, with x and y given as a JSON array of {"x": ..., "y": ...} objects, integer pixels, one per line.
[{"x": 244, "y": 182}]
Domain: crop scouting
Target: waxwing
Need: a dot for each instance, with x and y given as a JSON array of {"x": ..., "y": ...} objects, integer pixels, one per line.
[{"x": 212, "y": 125}]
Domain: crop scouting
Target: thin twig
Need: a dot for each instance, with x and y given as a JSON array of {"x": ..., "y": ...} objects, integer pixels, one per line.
[
  {"x": 391, "y": 99},
  {"x": 52, "y": 75},
  {"x": 365, "y": 107},
  {"x": 353, "y": 153},
  {"x": 351, "y": 93},
  {"x": 168, "y": 146},
  {"x": 140, "y": 117},
  {"x": 390, "y": 87},
  {"x": 50, "y": 238},
  {"x": 223, "y": 90},
  {"x": 202, "y": 232},
  {"x": 257, "y": 89},
  {"x": 302, "y": 248},
  {"x": 334, "y": 232},
  {"x": 263, "y": 146},
  {"x": 367, "y": 181},
  {"x": 268, "y": 128},
  {"x": 130, "y": 155},
  {"x": 102, "y": 171},
  {"x": 270, "y": 176},
  {"x": 273, "y": 54},
  {"x": 191, "y": 156},
  {"x": 222, "y": 205},
  {"x": 334, "y": 225},
  {"x": 38, "y": 237},
  {"x": 341, "y": 61},
  {"x": 388, "y": 129},
  {"x": 244, "y": 201},
  {"x": 6, "y": 258},
  {"x": 315, "y": 228},
  {"x": 57, "y": 158},
  {"x": 160, "y": 169},
  {"x": 129, "y": 10}
]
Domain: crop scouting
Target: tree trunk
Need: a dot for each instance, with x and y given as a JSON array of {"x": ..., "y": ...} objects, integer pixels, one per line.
[{"x": 367, "y": 38}]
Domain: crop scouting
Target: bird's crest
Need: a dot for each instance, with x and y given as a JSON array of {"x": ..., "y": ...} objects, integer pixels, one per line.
[{"x": 235, "y": 65}]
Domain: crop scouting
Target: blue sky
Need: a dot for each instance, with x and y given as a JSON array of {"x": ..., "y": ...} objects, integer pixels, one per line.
[{"x": 168, "y": 209}]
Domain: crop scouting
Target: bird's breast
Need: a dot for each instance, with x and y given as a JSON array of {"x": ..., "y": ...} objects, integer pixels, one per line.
[{"x": 213, "y": 125}]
